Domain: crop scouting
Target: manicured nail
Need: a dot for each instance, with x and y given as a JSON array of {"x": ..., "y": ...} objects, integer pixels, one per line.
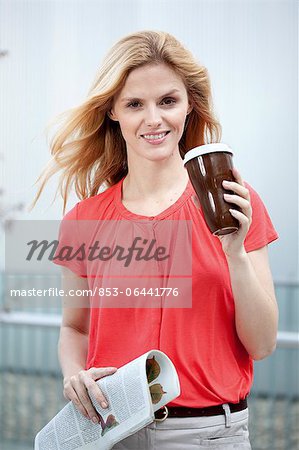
[
  {"x": 95, "y": 420},
  {"x": 104, "y": 405}
]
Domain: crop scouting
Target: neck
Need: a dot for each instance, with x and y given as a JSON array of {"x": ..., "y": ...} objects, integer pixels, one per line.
[{"x": 155, "y": 178}]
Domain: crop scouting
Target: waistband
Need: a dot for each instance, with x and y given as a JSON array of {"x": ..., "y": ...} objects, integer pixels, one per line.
[{"x": 182, "y": 411}]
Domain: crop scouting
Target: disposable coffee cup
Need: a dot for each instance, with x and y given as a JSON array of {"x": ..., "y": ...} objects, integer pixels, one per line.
[{"x": 208, "y": 165}]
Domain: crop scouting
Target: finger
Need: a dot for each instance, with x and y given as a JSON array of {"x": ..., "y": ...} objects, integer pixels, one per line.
[
  {"x": 237, "y": 176},
  {"x": 70, "y": 394},
  {"x": 96, "y": 393},
  {"x": 236, "y": 187},
  {"x": 100, "y": 372},
  {"x": 243, "y": 220},
  {"x": 239, "y": 201},
  {"x": 69, "y": 391},
  {"x": 85, "y": 401},
  {"x": 96, "y": 373}
]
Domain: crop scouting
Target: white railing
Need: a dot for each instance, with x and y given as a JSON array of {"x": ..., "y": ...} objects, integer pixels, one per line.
[
  {"x": 285, "y": 339},
  {"x": 30, "y": 319},
  {"x": 288, "y": 339}
]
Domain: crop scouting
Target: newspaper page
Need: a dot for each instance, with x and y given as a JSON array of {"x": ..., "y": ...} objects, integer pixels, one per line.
[{"x": 134, "y": 392}]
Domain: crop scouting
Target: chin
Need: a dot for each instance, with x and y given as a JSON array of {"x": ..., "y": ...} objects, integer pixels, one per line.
[
  {"x": 161, "y": 153},
  {"x": 161, "y": 157}
]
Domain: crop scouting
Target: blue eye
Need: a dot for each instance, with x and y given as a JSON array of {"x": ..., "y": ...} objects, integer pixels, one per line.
[
  {"x": 168, "y": 101},
  {"x": 133, "y": 104}
]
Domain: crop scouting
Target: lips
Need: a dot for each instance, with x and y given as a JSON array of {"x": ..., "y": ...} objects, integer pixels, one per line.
[{"x": 155, "y": 136}]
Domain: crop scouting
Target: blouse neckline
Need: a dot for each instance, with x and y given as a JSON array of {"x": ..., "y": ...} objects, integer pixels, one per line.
[{"x": 162, "y": 215}]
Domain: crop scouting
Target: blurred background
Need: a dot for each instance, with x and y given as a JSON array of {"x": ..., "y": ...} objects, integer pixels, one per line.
[{"x": 49, "y": 54}]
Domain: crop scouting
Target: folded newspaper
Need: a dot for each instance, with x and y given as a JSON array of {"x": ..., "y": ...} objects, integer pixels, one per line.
[{"x": 134, "y": 393}]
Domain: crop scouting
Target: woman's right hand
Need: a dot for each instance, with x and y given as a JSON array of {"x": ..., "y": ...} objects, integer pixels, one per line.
[{"x": 78, "y": 389}]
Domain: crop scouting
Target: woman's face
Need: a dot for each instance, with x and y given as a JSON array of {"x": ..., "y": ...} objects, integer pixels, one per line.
[{"x": 151, "y": 110}]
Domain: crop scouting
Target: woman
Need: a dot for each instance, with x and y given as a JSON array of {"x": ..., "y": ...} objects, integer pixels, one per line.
[{"x": 150, "y": 103}]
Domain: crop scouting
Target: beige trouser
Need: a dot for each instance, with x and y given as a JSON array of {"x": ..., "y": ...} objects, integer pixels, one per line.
[{"x": 224, "y": 432}]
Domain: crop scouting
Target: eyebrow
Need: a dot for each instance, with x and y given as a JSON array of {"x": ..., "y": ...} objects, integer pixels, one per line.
[{"x": 127, "y": 99}]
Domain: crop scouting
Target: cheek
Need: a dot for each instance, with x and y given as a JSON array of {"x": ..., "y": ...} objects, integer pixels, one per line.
[
  {"x": 177, "y": 113},
  {"x": 179, "y": 120},
  {"x": 129, "y": 128},
  {"x": 126, "y": 125}
]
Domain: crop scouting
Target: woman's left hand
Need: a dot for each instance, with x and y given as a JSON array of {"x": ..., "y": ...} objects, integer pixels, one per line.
[{"x": 232, "y": 244}]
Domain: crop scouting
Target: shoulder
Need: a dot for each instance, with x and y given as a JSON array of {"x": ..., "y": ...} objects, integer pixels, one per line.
[
  {"x": 251, "y": 190},
  {"x": 261, "y": 231},
  {"x": 90, "y": 208},
  {"x": 256, "y": 201}
]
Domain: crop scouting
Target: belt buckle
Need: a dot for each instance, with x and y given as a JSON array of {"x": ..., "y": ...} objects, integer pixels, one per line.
[{"x": 165, "y": 414}]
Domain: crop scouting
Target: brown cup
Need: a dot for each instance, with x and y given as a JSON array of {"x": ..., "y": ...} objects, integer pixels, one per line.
[{"x": 208, "y": 165}]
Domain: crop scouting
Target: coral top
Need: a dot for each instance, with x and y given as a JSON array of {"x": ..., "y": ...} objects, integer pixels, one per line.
[{"x": 199, "y": 336}]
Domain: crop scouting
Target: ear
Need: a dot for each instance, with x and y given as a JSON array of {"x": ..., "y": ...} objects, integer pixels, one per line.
[
  {"x": 190, "y": 108},
  {"x": 111, "y": 115}
]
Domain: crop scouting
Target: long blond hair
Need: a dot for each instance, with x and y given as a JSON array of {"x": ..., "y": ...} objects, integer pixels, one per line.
[{"x": 89, "y": 148}]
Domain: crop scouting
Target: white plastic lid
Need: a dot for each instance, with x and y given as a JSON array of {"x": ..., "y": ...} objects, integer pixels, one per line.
[{"x": 204, "y": 149}]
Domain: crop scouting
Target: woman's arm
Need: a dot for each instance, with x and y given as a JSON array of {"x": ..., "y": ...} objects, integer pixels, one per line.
[
  {"x": 73, "y": 340},
  {"x": 255, "y": 303},
  {"x": 78, "y": 383},
  {"x": 251, "y": 280}
]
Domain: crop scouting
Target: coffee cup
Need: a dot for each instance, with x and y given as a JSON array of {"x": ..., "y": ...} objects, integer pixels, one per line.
[{"x": 208, "y": 165}]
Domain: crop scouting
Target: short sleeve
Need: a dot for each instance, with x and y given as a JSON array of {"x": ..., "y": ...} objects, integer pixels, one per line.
[
  {"x": 261, "y": 231},
  {"x": 68, "y": 252}
]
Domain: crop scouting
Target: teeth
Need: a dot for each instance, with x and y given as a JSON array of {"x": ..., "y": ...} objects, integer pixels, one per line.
[{"x": 154, "y": 136}]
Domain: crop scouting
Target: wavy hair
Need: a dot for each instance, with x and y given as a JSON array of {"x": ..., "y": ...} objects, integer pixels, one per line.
[{"x": 89, "y": 148}]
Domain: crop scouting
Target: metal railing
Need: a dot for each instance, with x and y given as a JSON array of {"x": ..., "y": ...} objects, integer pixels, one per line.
[{"x": 287, "y": 339}]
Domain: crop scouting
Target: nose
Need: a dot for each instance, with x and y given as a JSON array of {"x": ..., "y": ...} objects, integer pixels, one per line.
[{"x": 152, "y": 117}]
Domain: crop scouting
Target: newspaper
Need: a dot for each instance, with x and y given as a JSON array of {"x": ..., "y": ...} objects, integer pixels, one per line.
[{"x": 134, "y": 393}]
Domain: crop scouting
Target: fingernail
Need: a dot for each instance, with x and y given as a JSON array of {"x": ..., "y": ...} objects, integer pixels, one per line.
[
  {"x": 104, "y": 405},
  {"x": 225, "y": 182},
  {"x": 95, "y": 420}
]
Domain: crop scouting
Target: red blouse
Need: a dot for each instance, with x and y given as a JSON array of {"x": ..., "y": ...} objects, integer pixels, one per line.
[{"x": 199, "y": 335}]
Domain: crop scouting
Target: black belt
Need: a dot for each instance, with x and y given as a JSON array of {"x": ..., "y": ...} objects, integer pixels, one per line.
[{"x": 182, "y": 411}]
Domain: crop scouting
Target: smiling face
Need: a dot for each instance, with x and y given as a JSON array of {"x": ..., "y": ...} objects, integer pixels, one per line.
[{"x": 151, "y": 110}]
